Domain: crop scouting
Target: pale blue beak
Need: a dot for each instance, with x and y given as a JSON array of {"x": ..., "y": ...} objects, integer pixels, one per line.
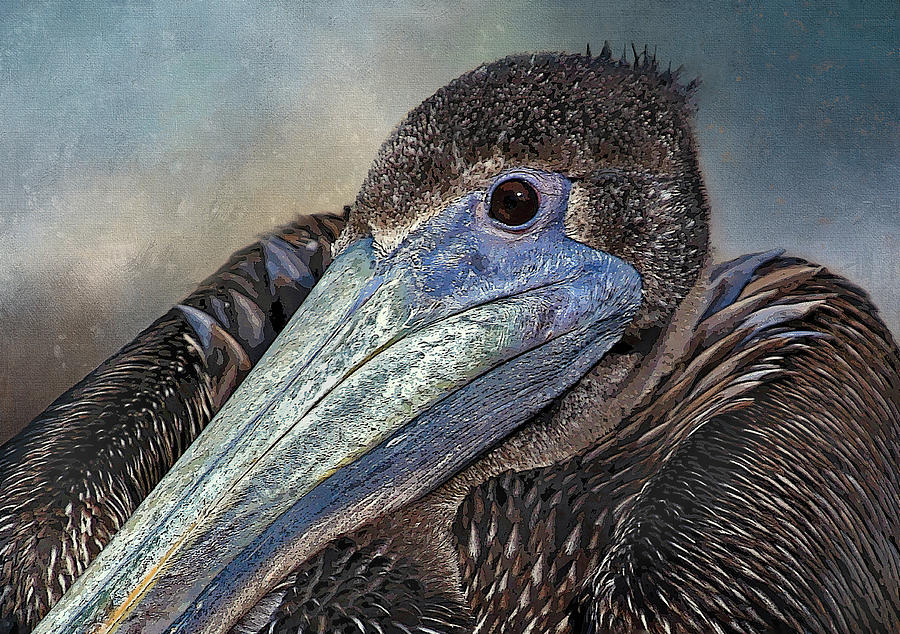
[{"x": 397, "y": 371}]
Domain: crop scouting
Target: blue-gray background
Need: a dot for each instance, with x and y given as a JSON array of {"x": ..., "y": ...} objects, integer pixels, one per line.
[{"x": 142, "y": 142}]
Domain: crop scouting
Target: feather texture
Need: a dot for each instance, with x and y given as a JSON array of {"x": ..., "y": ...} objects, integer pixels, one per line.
[{"x": 75, "y": 474}]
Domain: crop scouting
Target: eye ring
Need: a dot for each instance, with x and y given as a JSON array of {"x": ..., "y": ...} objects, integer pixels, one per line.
[{"x": 514, "y": 203}]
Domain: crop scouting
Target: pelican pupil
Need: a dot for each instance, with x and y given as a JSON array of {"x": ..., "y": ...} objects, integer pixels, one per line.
[{"x": 514, "y": 203}]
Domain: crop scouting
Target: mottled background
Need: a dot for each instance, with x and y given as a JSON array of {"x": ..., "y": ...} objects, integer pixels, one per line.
[{"x": 142, "y": 142}]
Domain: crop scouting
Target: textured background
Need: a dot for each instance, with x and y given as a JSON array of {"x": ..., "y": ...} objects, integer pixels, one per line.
[{"x": 142, "y": 142}]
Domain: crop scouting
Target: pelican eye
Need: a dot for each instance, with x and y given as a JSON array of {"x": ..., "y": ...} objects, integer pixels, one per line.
[{"x": 514, "y": 202}]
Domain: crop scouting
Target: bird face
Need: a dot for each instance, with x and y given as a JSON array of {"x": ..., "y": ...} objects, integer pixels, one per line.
[
  {"x": 620, "y": 134},
  {"x": 454, "y": 312}
]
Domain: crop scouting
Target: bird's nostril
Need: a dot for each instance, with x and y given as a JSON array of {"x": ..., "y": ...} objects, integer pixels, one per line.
[{"x": 480, "y": 262}]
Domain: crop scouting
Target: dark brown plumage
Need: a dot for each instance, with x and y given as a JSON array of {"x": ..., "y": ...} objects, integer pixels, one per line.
[
  {"x": 731, "y": 465},
  {"x": 754, "y": 489},
  {"x": 73, "y": 476}
]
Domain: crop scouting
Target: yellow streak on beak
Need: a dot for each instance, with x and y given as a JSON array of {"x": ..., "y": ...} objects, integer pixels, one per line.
[{"x": 146, "y": 583}]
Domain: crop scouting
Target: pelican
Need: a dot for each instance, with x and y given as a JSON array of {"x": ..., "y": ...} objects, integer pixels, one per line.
[{"x": 514, "y": 395}]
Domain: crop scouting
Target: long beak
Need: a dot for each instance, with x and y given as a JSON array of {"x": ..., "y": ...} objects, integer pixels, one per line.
[{"x": 396, "y": 372}]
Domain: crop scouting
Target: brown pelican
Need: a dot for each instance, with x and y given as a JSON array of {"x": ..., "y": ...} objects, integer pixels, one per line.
[{"x": 519, "y": 400}]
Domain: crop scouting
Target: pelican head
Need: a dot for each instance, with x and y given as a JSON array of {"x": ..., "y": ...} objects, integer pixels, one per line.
[{"x": 519, "y": 227}]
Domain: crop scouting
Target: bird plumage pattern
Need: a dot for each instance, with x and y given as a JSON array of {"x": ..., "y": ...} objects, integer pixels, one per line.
[
  {"x": 731, "y": 465},
  {"x": 714, "y": 509},
  {"x": 73, "y": 476}
]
